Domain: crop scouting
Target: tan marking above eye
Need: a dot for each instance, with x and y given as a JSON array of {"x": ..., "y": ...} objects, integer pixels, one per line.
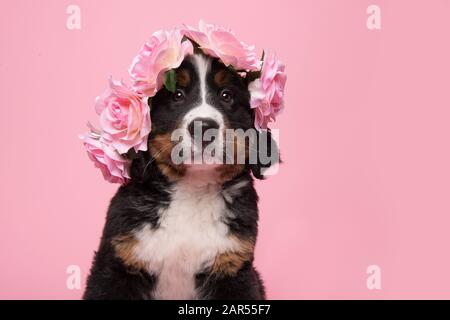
[
  {"x": 183, "y": 77},
  {"x": 221, "y": 78}
]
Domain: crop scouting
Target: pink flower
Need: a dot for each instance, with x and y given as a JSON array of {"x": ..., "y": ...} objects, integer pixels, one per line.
[
  {"x": 164, "y": 51},
  {"x": 124, "y": 118},
  {"x": 223, "y": 44},
  {"x": 113, "y": 166},
  {"x": 267, "y": 92}
]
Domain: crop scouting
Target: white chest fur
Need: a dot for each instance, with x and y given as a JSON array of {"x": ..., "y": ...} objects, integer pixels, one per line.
[{"x": 190, "y": 235}]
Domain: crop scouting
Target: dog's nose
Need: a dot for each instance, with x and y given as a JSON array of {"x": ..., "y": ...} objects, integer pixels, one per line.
[{"x": 200, "y": 126}]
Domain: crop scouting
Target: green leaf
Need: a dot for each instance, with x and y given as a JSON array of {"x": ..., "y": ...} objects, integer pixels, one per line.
[{"x": 170, "y": 82}]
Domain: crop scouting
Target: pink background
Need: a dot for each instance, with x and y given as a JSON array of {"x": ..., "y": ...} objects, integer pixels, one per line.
[{"x": 364, "y": 137}]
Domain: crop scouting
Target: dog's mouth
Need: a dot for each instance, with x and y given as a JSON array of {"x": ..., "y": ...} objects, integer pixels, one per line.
[
  {"x": 205, "y": 150},
  {"x": 199, "y": 143},
  {"x": 177, "y": 154}
]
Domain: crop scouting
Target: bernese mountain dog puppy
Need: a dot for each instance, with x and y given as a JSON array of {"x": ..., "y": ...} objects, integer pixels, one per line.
[{"x": 180, "y": 230}]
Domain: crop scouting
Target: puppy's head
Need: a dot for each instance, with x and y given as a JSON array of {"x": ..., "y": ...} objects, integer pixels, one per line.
[{"x": 206, "y": 125}]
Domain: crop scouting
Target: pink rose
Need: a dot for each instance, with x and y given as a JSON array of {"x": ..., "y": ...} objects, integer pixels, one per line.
[
  {"x": 223, "y": 44},
  {"x": 267, "y": 92},
  {"x": 164, "y": 51},
  {"x": 113, "y": 166},
  {"x": 124, "y": 118}
]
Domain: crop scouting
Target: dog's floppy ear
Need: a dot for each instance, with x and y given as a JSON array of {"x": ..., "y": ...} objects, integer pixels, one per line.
[{"x": 268, "y": 153}]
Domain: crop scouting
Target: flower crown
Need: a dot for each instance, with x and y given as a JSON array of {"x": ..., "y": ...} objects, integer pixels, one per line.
[{"x": 124, "y": 112}]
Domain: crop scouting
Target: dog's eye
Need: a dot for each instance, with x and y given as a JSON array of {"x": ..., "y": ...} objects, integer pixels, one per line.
[
  {"x": 226, "y": 96},
  {"x": 178, "y": 95}
]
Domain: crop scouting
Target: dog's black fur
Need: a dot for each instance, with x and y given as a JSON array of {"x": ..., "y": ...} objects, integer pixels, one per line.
[{"x": 149, "y": 190}]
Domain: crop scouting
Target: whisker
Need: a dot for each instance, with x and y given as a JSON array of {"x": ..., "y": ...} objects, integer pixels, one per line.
[{"x": 154, "y": 157}]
